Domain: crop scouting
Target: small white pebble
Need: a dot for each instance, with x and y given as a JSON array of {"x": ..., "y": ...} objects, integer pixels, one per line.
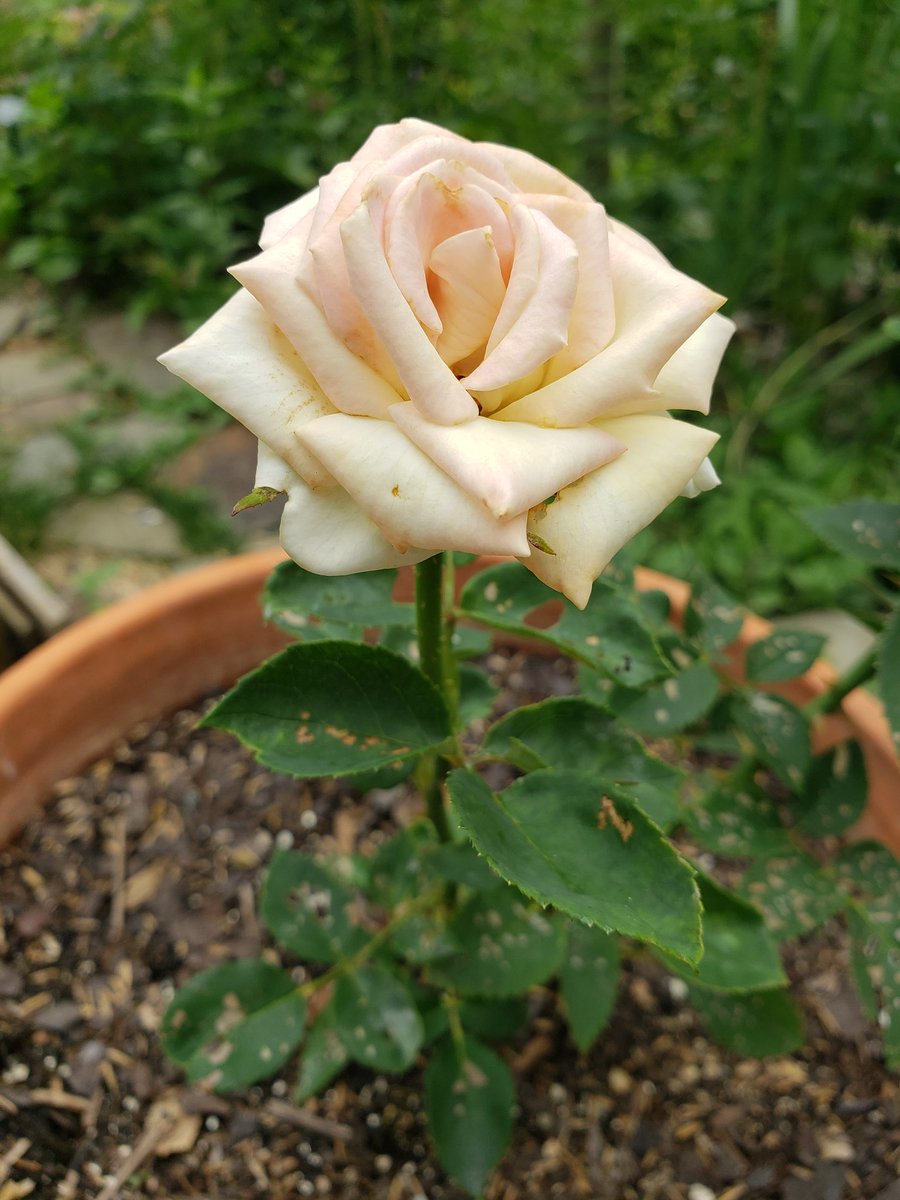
[
  {"x": 373, "y": 1121},
  {"x": 383, "y": 1163},
  {"x": 308, "y": 819},
  {"x": 212, "y": 1123},
  {"x": 678, "y": 989},
  {"x": 279, "y": 1088},
  {"x": 699, "y": 1191},
  {"x": 284, "y": 839}
]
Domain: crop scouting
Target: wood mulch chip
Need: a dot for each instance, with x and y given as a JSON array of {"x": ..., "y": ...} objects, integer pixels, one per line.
[{"x": 146, "y": 869}]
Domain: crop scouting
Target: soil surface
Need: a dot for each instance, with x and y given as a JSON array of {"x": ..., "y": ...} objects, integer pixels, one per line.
[{"x": 145, "y": 870}]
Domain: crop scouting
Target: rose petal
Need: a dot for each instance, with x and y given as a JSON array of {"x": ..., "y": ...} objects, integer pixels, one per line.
[
  {"x": 272, "y": 471},
  {"x": 686, "y": 381},
  {"x": 468, "y": 289},
  {"x": 593, "y": 519},
  {"x": 657, "y": 309},
  {"x": 245, "y": 365},
  {"x": 510, "y": 468},
  {"x": 283, "y": 219},
  {"x": 410, "y": 499},
  {"x": 351, "y": 384},
  {"x": 328, "y": 533},
  {"x": 704, "y": 480},
  {"x": 531, "y": 174},
  {"x": 593, "y": 319},
  {"x": 533, "y": 322},
  {"x": 425, "y": 210},
  {"x": 386, "y": 140},
  {"x": 430, "y": 383},
  {"x": 453, "y": 150}
]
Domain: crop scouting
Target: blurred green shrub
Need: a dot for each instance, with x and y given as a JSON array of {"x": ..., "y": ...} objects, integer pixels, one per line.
[{"x": 755, "y": 140}]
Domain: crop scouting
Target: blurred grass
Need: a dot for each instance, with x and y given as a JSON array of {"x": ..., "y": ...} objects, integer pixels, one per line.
[{"x": 756, "y": 141}]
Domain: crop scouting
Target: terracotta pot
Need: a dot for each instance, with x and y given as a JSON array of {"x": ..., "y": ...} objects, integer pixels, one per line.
[{"x": 67, "y": 702}]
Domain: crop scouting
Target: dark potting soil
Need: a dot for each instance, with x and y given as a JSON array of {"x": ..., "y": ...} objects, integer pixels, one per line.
[{"x": 145, "y": 870}]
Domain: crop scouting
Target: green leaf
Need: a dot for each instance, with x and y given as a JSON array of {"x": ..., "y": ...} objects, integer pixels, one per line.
[
  {"x": 470, "y": 642},
  {"x": 738, "y": 820},
  {"x": 782, "y": 655},
  {"x": 778, "y": 732},
  {"x": 889, "y": 675},
  {"x": 399, "y": 868},
  {"x": 713, "y": 618},
  {"x": 307, "y": 910},
  {"x": 494, "y": 1020},
  {"x": 756, "y": 1024},
  {"x": 469, "y": 1099},
  {"x": 865, "y": 529},
  {"x": 293, "y": 595},
  {"x": 506, "y": 946},
  {"x": 835, "y": 792},
  {"x": 739, "y": 953},
  {"x": 588, "y": 981},
  {"x": 234, "y": 1024},
  {"x": 476, "y": 694},
  {"x": 792, "y": 892},
  {"x": 333, "y": 708},
  {"x": 610, "y": 634},
  {"x": 461, "y": 863},
  {"x": 424, "y": 938},
  {"x": 376, "y": 1019},
  {"x": 875, "y": 959},
  {"x": 574, "y": 733},
  {"x": 669, "y": 706},
  {"x": 587, "y": 849},
  {"x": 322, "y": 1059}
]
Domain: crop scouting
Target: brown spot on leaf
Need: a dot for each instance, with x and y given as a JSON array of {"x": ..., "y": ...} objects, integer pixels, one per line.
[{"x": 608, "y": 815}]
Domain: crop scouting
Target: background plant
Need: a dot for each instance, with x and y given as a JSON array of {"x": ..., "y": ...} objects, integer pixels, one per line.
[
  {"x": 589, "y": 851},
  {"x": 755, "y": 141}
]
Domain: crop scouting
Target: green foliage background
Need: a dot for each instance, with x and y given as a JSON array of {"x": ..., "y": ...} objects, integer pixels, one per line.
[{"x": 756, "y": 141}]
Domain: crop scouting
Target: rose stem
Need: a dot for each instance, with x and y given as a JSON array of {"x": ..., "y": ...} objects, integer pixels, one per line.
[{"x": 435, "y": 630}]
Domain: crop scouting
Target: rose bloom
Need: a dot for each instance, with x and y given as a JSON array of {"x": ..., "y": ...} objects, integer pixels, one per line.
[{"x": 448, "y": 345}]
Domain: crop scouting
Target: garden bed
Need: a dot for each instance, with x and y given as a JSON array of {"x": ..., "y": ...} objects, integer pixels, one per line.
[{"x": 145, "y": 870}]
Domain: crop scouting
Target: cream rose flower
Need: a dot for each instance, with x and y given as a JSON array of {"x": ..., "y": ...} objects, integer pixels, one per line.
[{"x": 443, "y": 338}]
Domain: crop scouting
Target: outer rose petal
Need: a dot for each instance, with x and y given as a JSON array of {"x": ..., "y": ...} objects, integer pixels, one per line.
[
  {"x": 532, "y": 174},
  {"x": 245, "y": 364},
  {"x": 328, "y": 533},
  {"x": 510, "y": 468},
  {"x": 431, "y": 385},
  {"x": 410, "y": 499},
  {"x": 657, "y": 309},
  {"x": 386, "y": 140},
  {"x": 703, "y": 480},
  {"x": 348, "y": 382},
  {"x": 272, "y": 471},
  {"x": 593, "y": 519},
  {"x": 283, "y": 219},
  {"x": 686, "y": 381}
]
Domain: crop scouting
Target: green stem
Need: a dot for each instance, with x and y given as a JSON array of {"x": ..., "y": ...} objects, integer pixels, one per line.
[{"x": 434, "y": 626}]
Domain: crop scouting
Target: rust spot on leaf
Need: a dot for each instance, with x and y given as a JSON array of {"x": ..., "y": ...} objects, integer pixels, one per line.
[
  {"x": 608, "y": 815},
  {"x": 304, "y": 737},
  {"x": 341, "y": 735}
]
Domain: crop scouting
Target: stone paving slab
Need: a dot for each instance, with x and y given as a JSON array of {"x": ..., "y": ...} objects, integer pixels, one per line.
[
  {"x": 32, "y": 373},
  {"x": 130, "y": 353},
  {"x": 126, "y": 523}
]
